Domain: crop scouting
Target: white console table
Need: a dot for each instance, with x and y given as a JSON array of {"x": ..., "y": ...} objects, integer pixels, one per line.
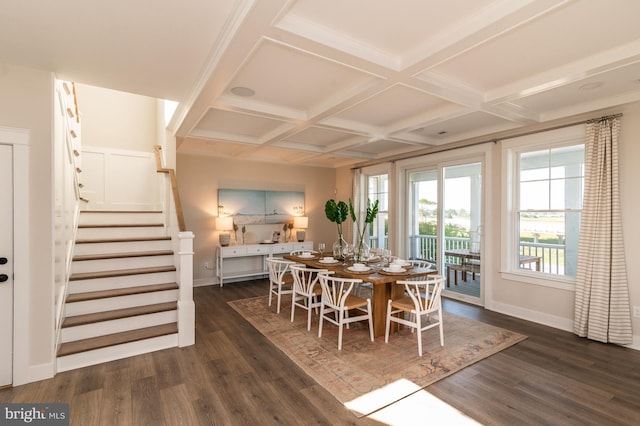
[{"x": 247, "y": 254}]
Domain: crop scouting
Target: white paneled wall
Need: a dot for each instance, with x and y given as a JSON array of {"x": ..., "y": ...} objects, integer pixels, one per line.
[{"x": 120, "y": 180}]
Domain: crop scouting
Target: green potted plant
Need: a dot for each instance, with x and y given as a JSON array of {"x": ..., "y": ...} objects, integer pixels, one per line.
[
  {"x": 361, "y": 251},
  {"x": 338, "y": 213}
]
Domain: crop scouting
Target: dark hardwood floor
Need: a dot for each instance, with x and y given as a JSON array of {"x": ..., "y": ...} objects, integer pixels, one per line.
[{"x": 234, "y": 376}]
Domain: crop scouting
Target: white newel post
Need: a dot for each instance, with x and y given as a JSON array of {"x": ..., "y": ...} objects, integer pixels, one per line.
[{"x": 186, "y": 306}]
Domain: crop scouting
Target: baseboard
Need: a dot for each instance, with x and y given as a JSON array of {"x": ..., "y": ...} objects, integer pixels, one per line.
[
  {"x": 533, "y": 316},
  {"x": 636, "y": 343},
  {"x": 546, "y": 319},
  {"x": 203, "y": 282}
]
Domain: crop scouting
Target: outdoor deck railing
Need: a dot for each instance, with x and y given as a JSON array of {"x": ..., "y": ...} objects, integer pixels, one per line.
[
  {"x": 425, "y": 247},
  {"x": 552, "y": 255}
]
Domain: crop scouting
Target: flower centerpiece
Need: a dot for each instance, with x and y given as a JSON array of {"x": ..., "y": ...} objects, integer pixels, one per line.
[
  {"x": 338, "y": 213},
  {"x": 361, "y": 250}
]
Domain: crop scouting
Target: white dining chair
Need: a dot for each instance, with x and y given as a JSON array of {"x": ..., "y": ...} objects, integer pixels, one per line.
[
  {"x": 299, "y": 252},
  {"x": 280, "y": 279},
  {"x": 422, "y": 301},
  {"x": 307, "y": 290},
  {"x": 421, "y": 263},
  {"x": 337, "y": 300}
]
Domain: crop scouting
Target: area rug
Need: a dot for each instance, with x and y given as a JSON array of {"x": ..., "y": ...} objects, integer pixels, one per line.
[{"x": 367, "y": 376}]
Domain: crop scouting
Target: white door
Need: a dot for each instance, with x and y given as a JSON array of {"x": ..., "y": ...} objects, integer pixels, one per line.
[{"x": 6, "y": 266}]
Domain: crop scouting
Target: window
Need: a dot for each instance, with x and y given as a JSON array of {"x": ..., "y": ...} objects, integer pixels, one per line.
[
  {"x": 547, "y": 182},
  {"x": 378, "y": 189}
]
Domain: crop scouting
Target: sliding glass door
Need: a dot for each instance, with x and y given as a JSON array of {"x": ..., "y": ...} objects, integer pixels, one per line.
[{"x": 445, "y": 223}]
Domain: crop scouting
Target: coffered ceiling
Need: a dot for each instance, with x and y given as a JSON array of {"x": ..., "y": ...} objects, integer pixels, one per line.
[{"x": 339, "y": 82}]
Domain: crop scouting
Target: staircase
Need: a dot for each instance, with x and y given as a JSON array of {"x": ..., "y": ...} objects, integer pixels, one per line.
[{"x": 122, "y": 297}]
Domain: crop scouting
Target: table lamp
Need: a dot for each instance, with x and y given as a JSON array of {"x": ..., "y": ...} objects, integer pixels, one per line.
[
  {"x": 300, "y": 223},
  {"x": 224, "y": 225}
]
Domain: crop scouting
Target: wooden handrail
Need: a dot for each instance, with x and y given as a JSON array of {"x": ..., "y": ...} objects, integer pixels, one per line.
[
  {"x": 75, "y": 101},
  {"x": 174, "y": 187}
]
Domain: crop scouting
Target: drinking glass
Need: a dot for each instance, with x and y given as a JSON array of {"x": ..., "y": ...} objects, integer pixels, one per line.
[
  {"x": 386, "y": 255},
  {"x": 321, "y": 247}
]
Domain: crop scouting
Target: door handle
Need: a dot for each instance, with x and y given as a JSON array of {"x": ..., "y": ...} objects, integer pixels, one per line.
[
  {"x": 3, "y": 260},
  {"x": 3, "y": 277}
]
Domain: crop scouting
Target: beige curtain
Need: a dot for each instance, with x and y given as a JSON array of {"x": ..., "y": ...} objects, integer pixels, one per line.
[{"x": 602, "y": 308}]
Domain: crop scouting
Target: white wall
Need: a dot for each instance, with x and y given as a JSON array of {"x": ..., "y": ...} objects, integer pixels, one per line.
[
  {"x": 26, "y": 99},
  {"x": 200, "y": 177},
  {"x": 116, "y": 119}
]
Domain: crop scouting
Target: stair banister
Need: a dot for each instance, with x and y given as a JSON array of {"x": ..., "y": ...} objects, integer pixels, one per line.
[
  {"x": 174, "y": 187},
  {"x": 186, "y": 306}
]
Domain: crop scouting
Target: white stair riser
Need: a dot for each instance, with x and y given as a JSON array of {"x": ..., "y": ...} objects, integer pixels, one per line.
[
  {"x": 121, "y": 247},
  {"x": 98, "y": 356},
  {"x": 103, "y": 328},
  {"x": 123, "y": 263},
  {"x": 121, "y": 302},
  {"x": 104, "y": 218},
  {"x": 98, "y": 284},
  {"x": 122, "y": 232}
]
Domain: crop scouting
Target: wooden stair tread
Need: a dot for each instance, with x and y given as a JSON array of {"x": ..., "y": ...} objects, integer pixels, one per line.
[
  {"x": 121, "y": 272},
  {"x": 121, "y": 255},
  {"x": 100, "y": 342},
  {"x": 118, "y": 314},
  {"x": 120, "y": 240},
  {"x": 121, "y": 225},
  {"x": 116, "y": 292}
]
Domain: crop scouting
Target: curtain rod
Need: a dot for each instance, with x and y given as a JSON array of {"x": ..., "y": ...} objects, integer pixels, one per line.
[{"x": 493, "y": 140}]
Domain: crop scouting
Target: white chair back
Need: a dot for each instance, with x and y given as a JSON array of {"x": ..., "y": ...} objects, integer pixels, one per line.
[
  {"x": 305, "y": 279},
  {"x": 278, "y": 284},
  {"x": 335, "y": 290},
  {"x": 425, "y": 293},
  {"x": 278, "y": 268},
  {"x": 306, "y": 290}
]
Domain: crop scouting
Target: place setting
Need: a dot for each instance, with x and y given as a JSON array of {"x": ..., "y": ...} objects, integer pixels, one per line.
[
  {"x": 328, "y": 260},
  {"x": 359, "y": 268},
  {"x": 307, "y": 255},
  {"x": 396, "y": 267}
]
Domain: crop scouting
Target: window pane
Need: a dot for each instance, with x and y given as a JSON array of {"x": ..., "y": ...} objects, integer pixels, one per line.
[
  {"x": 553, "y": 237},
  {"x": 566, "y": 194},
  {"x": 424, "y": 219},
  {"x": 567, "y": 161},
  {"x": 534, "y": 165},
  {"x": 534, "y": 195}
]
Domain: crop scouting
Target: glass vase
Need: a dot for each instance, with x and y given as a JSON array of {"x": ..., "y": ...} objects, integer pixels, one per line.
[
  {"x": 341, "y": 249},
  {"x": 361, "y": 252}
]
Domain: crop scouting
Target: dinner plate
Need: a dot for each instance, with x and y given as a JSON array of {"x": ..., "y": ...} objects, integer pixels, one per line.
[
  {"x": 306, "y": 257},
  {"x": 357, "y": 270},
  {"x": 328, "y": 261},
  {"x": 392, "y": 271}
]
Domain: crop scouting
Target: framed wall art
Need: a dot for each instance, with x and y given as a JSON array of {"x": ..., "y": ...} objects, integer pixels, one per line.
[{"x": 248, "y": 206}]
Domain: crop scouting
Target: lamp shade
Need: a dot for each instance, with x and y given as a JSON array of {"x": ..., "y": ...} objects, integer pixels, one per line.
[
  {"x": 301, "y": 222},
  {"x": 224, "y": 223}
]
